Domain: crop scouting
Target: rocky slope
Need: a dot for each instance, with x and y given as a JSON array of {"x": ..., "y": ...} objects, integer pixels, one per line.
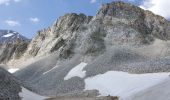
[
  {"x": 13, "y": 89},
  {"x": 120, "y": 37},
  {"x": 9, "y": 86}
]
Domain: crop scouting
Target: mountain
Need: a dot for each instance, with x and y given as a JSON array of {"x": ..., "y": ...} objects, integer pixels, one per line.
[
  {"x": 12, "y": 45},
  {"x": 120, "y": 51},
  {"x": 115, "y": 24},
  {"x": 78, "y": 53},
  {"x": 9, "y": 36}
]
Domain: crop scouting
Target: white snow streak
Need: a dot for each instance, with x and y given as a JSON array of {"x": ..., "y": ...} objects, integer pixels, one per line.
[{"x": 50, "y": 70}]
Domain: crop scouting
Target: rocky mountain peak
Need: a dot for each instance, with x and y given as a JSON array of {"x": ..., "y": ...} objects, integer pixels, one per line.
[
  {"x": 70, "y": 21},
  {"x": 56, "y": 34},
  {"x": 142, "y": 20},
  {"x": 120, "y": 10}
]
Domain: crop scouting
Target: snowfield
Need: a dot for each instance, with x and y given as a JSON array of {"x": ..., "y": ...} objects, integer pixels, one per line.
[
  {"x": 77, "y": 71},
  {"x": 28, "y": 95},
  {"x": 123, "y": 84},
  {"x": 160, "y": 91},
  {"x": 13, "y": 70}
]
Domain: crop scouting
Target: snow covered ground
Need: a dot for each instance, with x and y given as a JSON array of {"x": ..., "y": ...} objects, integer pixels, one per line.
[
  {"x": 28, "y": 95},
  {"x": 77, "y": 71},
  {"x": 13, "y": 70},
  {"x": 123, "y": 84},
  {"x": 160, "y": 91}
]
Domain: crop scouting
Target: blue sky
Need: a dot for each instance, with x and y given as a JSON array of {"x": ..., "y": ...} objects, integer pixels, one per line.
[{"x": 29, "y": 16}]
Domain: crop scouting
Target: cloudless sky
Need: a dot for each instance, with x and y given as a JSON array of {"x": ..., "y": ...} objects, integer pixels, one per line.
[{"x": 43, "y": 13}]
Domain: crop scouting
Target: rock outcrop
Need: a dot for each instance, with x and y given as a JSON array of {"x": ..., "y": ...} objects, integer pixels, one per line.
[{"x": 56, "y": 36}]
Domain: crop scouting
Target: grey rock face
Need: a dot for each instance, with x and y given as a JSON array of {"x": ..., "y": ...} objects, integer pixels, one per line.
[
  {"x": 9, "y": 87},
  {"x": 56, "y": 36},
  {"x": 143, "y": 21}
]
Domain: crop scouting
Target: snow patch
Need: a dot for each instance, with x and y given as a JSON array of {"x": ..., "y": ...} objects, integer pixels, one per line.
[
  {"x": 8, "y": 35},
  {"x": 13, "y": 70},
  {"x": 77, "y": 71},
  {"x": 28, "y": 95},
  {"x": 123, "y": 84}
]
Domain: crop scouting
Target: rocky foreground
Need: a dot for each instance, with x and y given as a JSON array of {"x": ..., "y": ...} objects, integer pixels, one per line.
[
  {"x": 13, "y": 89},
  {"x": 9, "y": 86}
]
